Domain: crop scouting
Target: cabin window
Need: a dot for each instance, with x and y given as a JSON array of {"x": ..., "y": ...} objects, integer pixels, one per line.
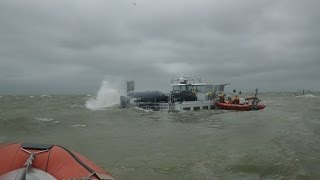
[
  {"x": 219, "y": 87},
  {"x": 209, "y": 88},
  {"x": 186, "y": 109},
  {"x": 175, "y": 88},
  {"x": 201, "y": 89},
  {"x": 205, "y": 107},
  {"x": 196, "y": 108}
]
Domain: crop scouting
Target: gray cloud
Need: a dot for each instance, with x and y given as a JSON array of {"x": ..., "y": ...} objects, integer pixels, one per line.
[{"x": 71, "y": 46}]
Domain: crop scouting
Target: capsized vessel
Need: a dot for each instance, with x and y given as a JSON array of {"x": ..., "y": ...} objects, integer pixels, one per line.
[{"x": 187, "y": 94}]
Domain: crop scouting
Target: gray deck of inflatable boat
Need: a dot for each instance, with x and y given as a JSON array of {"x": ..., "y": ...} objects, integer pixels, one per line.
[{"x": 33, "y": 174}]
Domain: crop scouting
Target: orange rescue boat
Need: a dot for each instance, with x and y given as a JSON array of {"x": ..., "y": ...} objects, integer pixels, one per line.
[
  {"x": 44, "y": 161},
  {"x": 239, "y": 107}
]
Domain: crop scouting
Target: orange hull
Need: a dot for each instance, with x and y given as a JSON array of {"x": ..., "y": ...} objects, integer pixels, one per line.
[
  {"x": 57, "y": 161},
  {"x": 239, "y": 107}
]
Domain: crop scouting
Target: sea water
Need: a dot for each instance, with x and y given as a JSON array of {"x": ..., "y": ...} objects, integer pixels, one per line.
[{"x": 281, "y": 141}]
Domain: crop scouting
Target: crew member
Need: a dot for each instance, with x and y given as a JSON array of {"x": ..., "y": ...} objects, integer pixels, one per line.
[
  {"x": 236, "y": 100},
  {"x": 221, "y": 97},
  {"x": 209, "y": 94}
]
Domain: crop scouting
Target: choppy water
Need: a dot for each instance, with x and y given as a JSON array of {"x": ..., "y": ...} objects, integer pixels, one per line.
[{"x": 279, "y": 142}]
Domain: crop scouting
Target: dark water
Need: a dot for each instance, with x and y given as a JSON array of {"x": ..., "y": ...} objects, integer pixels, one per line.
[{"x": 279, "y": 142}]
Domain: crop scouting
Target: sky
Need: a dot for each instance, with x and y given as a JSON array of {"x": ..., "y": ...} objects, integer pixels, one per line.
[{"x": 59, "y": 46}]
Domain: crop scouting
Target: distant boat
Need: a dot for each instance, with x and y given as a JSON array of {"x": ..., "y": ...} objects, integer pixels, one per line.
[
  {"x": 302, "y": 92},
  {"x": 187, "y": 94},
  {"x": 43, "y": 161}
]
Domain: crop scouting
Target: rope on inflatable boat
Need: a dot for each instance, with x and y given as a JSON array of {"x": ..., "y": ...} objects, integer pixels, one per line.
[{"x": 29, "y": 161}]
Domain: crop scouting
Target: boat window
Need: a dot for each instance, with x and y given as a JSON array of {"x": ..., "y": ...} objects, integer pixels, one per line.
[
  {"x": 176, "y": 88},
  {"x": 201, "y": 89},
  {"x": 209, "y": 87},
  {"x": 219, "y": 87}
]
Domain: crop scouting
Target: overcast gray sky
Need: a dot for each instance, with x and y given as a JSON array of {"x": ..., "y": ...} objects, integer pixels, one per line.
[{"x": 71, "y": 46}]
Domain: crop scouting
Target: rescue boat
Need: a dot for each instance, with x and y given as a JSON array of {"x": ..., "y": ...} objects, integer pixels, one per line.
[
  {"x": 45, "y": 161},
  {"x": 239, "y": 107},
  {"x": 250, "y": 103}
]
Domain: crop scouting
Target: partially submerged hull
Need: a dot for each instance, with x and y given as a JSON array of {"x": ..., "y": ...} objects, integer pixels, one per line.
[
  {"x": 173, "y": 106},
  {"x": 47, "y": 162},
  {"x": 187, "y": 94},
  {"x": 193, "y": 105},
  {"x": 240, "y": 107}
]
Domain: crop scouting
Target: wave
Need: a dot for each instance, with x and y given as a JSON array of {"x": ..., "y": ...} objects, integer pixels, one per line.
[
  {"x": 142, "y": 109},
  {"x": 79, "y": 125},
  {"x": 307, "y": 96},
  {"x": 44, "y": 119}
]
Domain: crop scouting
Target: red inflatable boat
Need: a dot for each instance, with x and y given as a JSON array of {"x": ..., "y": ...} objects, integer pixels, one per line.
[
  {"x": 43, "y": 161},
  {"x": 239, "y": 107}
]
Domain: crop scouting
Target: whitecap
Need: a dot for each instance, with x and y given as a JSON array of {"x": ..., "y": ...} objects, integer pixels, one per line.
[
  {"x": 307, "y": 96},
  {"x": 44, "y": 119},
  {"x": 79, "y": 125},
  {"x": 31, "y": 96},
  {"x": 142, "y": 109}
]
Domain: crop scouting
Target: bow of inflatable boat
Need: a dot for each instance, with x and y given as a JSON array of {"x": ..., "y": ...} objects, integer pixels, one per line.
[{"x": 43, "y": 161}]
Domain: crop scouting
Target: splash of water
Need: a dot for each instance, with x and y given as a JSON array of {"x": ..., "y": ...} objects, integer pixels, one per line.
[{"x": 107, "y": 96}]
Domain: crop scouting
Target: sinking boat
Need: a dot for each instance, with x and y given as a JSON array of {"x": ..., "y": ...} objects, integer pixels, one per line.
[
  {"x": 43, "y": 161},
  {"x": 187, "y": 94}
]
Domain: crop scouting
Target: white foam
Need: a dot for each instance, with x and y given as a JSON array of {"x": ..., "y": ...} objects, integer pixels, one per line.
[
  {"x": 307, "y": 96},
  {"x": 142, "y": 109},
  {"x": 107, "y": 96},
  {"x": 44, "y": 119},
  {"x": 79, "y": 125}
]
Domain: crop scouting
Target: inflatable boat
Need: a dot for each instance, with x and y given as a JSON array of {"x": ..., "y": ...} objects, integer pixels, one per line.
[
  {"x": 44, "y": 161},
  {"x": 239, "y": 107}
]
